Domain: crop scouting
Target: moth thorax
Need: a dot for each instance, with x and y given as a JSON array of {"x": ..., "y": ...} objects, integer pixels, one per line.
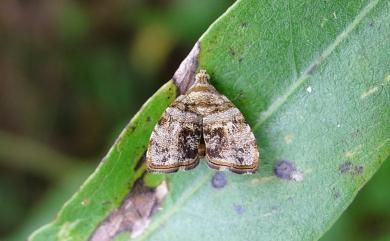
[{"x": 202, "y": 77}]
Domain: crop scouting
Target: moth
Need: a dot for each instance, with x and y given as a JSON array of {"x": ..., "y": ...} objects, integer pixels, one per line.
[{"x": 202, "y": 123}]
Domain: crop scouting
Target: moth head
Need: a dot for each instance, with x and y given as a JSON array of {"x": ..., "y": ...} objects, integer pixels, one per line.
[{"x": 202, "y": 77}]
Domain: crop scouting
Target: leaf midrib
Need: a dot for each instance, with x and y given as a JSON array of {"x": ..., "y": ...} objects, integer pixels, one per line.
[
  {"x": 184, "y": 198},
  {"x": 264, "y": 116},
  {"x": 275, "y": 106}
]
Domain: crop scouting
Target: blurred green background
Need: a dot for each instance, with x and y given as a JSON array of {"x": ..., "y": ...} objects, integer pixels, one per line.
[{"x": 73, "y": 73}]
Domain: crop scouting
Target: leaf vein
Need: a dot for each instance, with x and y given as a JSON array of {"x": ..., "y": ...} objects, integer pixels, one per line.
[
  {"x": 265, "y": 115},
  {"x": 184, "y": 198}
]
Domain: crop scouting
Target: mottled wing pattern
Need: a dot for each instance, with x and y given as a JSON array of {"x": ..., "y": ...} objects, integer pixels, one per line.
[
  {"x": 229, "y": 141},
  {"x": 175, "y": 140},
  {"x": 202, "y": 122}
]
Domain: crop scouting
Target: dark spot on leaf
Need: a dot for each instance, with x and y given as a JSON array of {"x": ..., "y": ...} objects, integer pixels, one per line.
[
  {"x": 335, "y": 193},
  {"x": 312, "y": 68},
  {"x": 232, "y": 52},
  {"x": 358, "y": 170},
  {"x": 244, "y": 25},
  {"x": 148, "y": 119},
  {"x": 355, "y": 134},
  {"x": 371, "y": 24},
  {"x": 284, "y": 169},
  {"x": 218, "y": 180},
  {"x": 238, "y": 209},
  {"x": 350, "y": 168},
  {"x": 345, "y": 167}
]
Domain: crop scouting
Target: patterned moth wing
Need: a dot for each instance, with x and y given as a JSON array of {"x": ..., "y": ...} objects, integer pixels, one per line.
[
  {"x": 175, "y": 140},
  {"x": 202, "y": 119},
  {"x": 230, "y": 142}
]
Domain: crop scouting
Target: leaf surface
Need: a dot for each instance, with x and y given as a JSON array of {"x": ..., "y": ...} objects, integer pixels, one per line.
[
  {"x": 106, "y": 188},
  {"x": 313, "y": 80}
]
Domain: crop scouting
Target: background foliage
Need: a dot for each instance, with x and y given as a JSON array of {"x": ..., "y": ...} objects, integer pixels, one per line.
[{"x": 75, "y": 70}]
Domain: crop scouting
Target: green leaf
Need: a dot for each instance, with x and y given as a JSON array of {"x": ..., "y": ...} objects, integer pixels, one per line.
[
  {"x": 312, "y": 78},
  {"x": 369, "y": 215},
  {"x": 106, "y": 188}
]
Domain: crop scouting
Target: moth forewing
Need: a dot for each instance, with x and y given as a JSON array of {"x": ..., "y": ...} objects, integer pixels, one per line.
[
  {"x": 230, "y": 142},
  {"x": 174, "y": 142},
  {"x": 202, "y": 122}
]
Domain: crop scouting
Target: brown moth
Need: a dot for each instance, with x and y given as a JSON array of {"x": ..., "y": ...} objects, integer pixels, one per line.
[{"x": 201, "y": 123}]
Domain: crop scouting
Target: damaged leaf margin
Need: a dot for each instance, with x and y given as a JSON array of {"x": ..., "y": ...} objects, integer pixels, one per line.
[
  {"x": 133, "y": 215},
  {"x": 105, "y": 190},
  {"x": 184, "y": 76},
  {"x": 110, "y": 200},
  {"x": 224, "y": 68}
]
